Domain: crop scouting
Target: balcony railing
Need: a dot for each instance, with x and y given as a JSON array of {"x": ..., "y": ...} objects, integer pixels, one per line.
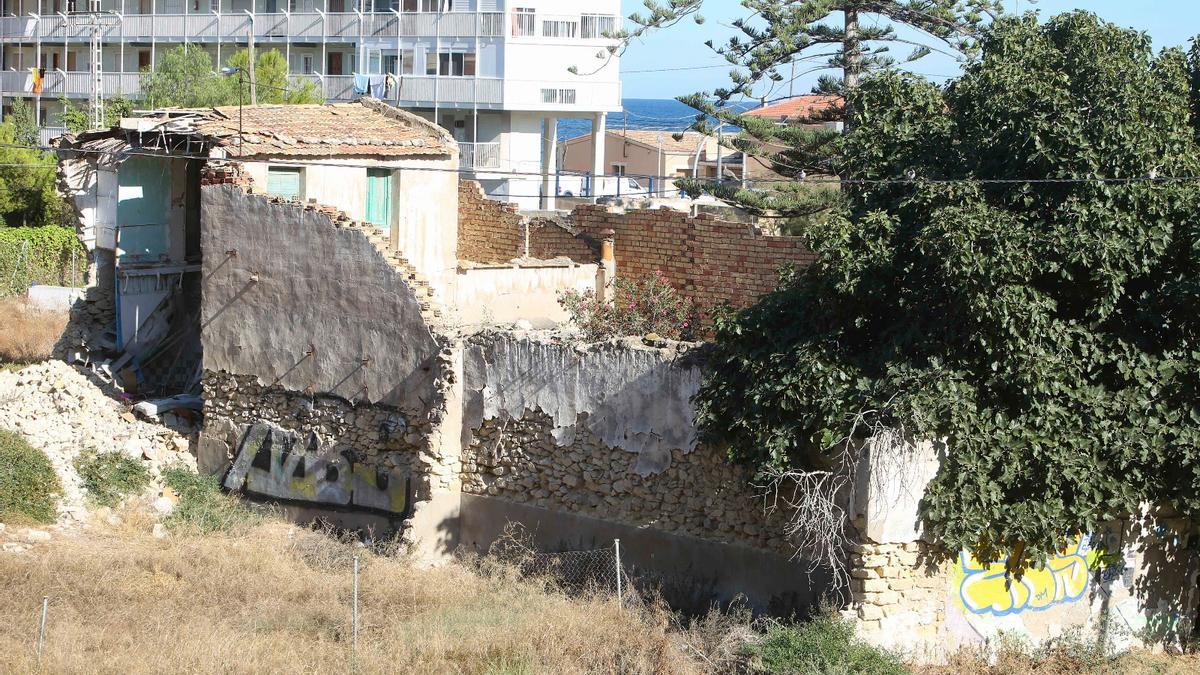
[
  {"x": 479, "y": 155},
  {"x": 201, "y": 27}
]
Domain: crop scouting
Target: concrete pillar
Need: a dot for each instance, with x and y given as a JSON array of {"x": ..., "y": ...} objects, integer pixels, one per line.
[
  {"x": 607, "y": 271},
  {"x": 549, "y": 163},
  {"x": 599, "y": 140}
]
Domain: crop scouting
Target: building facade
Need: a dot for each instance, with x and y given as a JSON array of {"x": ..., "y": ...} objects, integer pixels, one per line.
[{"x": 496, "y": 73}]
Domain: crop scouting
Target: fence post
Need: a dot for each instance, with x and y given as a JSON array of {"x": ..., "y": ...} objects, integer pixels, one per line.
[
  {"x": 42, "y": 626},
  {"x": 354, "y": 630},
  {"x": 617, "y": 551}
]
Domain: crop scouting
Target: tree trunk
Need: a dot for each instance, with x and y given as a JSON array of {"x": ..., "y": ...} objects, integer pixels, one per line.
[{"x": 851, "y": 63}]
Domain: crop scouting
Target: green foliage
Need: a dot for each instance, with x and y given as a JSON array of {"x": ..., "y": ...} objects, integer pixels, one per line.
[
  {"x": 77, "y": 119},
  {"x": 29, "y": 488},
  {"x": 185, "y": 77},
  {"x": 826, "y": 644},
  {"x": 203, "y": 507},
  {"x": 637, "y": 308},
  {"x": 39, "y": 255},
  {"x": 270, "y": 74},
  {"x": 111, "y": 476},
  {"x": 27, "y": 192},
  {"x": 25, "y": 128},
  {"x": 1045, "y": 330}
]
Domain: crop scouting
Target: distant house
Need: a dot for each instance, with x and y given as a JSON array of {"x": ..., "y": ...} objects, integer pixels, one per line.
[
  {"x": 800, "y": 110},
  {"x": 640, "y": 154}
]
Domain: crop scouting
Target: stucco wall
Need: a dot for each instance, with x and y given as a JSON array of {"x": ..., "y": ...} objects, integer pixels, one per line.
[
  {"x": 299, "y": 303},
  {"x": 490, "y": 295}
]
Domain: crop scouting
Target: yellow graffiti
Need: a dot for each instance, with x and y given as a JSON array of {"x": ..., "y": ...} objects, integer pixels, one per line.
[{"x": 984, "y": 589}]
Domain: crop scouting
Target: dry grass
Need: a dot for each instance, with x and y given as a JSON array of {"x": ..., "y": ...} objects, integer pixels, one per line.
[
  {"x": 268, "y": 601},
  {"x": 29, "y": 333}
]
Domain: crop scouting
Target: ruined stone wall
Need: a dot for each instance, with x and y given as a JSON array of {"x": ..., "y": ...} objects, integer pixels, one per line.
[
  {"x": 489, "y": 231},
  {"x": 699, "y": 494}
]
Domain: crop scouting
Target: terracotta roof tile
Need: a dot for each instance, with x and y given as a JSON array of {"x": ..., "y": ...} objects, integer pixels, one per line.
[
  {"x": 363, "y": 128},
  {"x": 809, "y": 105}
]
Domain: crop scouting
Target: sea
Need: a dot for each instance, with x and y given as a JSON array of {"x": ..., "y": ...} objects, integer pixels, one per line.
[{"x": 639, "y": 113}]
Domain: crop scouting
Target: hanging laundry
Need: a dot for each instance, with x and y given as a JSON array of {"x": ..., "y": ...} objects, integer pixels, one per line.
[
  {"x": 362, "y": 84},
  {"x": 391, "y": 85},
  {"x": 379, "y": 86},
  {"x": 33, "y": 83}
]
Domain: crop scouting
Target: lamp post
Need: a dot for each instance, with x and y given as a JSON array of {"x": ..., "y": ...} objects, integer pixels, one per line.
[{"x": 227, "y": 71}]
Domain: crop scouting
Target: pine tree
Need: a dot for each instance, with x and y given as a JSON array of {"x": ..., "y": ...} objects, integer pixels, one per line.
[{"x": 852, "y": 38}]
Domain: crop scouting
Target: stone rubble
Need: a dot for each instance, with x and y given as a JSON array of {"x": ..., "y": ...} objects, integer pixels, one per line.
[{"x": 62, "y": 411}]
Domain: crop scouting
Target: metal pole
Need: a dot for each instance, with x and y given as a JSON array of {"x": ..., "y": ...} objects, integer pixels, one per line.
[
  {"x": 355, "y": 627},
  {"x": 42, "y": 627},
  {"x": 617, "y": 549}
]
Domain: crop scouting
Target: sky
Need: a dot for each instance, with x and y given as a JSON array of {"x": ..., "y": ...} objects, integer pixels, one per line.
[{"x": 674, "y": 61}]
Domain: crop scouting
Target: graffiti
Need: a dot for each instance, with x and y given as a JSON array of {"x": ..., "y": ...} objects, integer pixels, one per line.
[
  {"x": 276, "y": 463},
  {"x": 984, "y": 589}
]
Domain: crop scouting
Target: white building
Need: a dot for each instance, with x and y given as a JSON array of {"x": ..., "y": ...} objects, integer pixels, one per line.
[{"x": 496, "y": 73}]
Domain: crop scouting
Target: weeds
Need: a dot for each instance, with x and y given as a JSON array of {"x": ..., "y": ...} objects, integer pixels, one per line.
[
  {"x": 826, "y": 644},
  {"x": 111, "y": 476},
  {"x": 203, "y": 507},
  {"x": 29, "y": 333},
  {"x": 29, "y": 487}
]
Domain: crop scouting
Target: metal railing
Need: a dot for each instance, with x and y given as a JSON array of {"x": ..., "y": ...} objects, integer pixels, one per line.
[
  {"x": 479, "y": 155},
  {"x": 202, "y": 27}
]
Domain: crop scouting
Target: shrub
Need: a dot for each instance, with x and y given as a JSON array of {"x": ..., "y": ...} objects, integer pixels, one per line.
[
  {"x": 637, "y": 308},
  {"x": 29, "y": 333},
  {"x": 29, "y": 486},
  {"x": 826, "y": 644},
  {"x": 39, "y": 255},
  {"x": 203, "y": 506},
  {"x": 111, "y": 476}
]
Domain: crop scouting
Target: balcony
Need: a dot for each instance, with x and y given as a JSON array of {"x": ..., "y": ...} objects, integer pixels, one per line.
[
  {"x": 479, "y": 155},
  {"x": 309, "y": 26}
]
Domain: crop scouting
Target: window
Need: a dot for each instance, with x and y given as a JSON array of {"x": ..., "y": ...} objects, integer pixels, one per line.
[
  {"x": 143, "y": 59},
  {"x": 618, "y": 169},
  {"x": 453, "y": 64},
  {"x": 390, "y": 61},
  {"x": 426, "y": 6},
  {"x": 285, "y": 181},
  {"x": 524, "y": 21},
  {"x": 306, "y": 64},
  {"x": 597, "y": 26},
  {"x": 375, "y": 62},
  {"x": 560, "y": 29},
  {"x": 564, "y": 96},
  {"x": 408, "y": 60}
]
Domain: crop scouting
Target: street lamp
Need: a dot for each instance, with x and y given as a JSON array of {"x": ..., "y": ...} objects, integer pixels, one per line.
[{"x": 226, "y": 72}]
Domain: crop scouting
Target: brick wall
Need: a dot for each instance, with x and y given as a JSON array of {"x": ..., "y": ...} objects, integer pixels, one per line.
[
  {"x": 549, "y": 239},
  {"x": 708, "y": 260},
  {"x": 489, "y": 231}
]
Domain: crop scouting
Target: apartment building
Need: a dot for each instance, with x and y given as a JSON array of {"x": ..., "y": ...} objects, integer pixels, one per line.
[{"x": 495, "y": 73}]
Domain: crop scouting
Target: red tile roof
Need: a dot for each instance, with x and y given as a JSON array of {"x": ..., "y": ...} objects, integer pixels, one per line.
[{"x": 808, "y": 105}]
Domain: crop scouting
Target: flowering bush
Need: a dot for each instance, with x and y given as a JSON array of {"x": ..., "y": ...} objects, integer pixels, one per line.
[{"x": 637, "y": 308}]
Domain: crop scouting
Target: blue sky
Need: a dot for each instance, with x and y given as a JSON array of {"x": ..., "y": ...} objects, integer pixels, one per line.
[{"x": 696, "y": 68}]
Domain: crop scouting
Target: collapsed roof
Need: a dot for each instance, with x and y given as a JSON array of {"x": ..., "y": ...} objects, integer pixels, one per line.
[{"x": 365, "y": 128}]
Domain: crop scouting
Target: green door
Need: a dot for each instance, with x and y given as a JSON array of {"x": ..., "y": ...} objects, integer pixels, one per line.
[
  {"x": 283, "y": 182},
  {"x": 379, "y": 197}
]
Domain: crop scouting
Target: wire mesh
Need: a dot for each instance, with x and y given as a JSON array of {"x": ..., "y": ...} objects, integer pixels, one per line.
[{"x": 593, "y": 570}]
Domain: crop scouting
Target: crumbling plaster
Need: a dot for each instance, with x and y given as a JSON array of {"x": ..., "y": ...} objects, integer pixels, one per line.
[
  {"x": 305, "y": 305},
  {"x": 632, "y": 397}
]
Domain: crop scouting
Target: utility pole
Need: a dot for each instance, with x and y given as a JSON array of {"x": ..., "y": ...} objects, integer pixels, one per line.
[{"x": 250, "y": 63}]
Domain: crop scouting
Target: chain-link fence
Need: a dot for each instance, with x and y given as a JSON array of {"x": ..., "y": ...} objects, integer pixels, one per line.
[{"x": 598, "y": 570}]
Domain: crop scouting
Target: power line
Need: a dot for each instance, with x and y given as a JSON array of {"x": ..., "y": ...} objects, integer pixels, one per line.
[{"x": 1152, "y": 178}]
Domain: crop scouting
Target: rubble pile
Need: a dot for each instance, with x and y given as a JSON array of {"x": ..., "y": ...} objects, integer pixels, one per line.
[{"x": 63, "y": 412}]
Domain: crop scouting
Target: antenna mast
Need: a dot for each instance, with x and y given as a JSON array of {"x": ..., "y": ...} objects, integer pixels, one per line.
[{"x": 94, "y": 20}]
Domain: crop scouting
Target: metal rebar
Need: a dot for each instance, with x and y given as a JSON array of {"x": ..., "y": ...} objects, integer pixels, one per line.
[
  {"x": 354, "y": 631},
  {"x": 42, "y": 627},
  {"x": 617, "y": 550}
]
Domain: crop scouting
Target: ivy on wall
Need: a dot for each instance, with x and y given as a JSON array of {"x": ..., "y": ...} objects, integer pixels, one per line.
[
  {"x": 1047, "y": 329},
  {"x": 40, "y": 255}
]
